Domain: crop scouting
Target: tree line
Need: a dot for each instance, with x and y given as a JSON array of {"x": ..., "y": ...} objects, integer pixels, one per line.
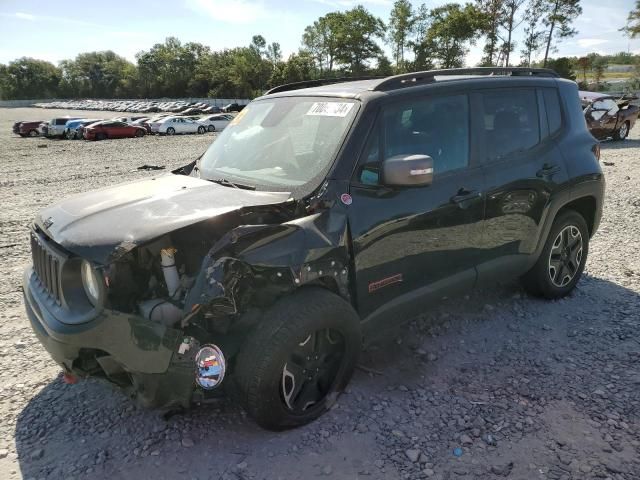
[{"x": 342, "y": 43}]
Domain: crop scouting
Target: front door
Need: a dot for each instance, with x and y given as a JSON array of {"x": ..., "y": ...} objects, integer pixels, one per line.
[
  {"x": 414, "y": 244},
  {"x": 523, "y": 168}
]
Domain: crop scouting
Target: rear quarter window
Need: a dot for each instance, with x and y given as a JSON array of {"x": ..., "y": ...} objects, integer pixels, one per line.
[{"x": 552, "y": 106}]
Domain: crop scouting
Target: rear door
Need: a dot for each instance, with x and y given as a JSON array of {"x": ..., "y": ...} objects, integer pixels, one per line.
[
  {"x": 523, "y": 168},
  {"x": 414, "y": 244}
]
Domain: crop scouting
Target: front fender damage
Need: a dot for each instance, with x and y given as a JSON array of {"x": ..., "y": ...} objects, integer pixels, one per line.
[{"x": 252, "y": 266}]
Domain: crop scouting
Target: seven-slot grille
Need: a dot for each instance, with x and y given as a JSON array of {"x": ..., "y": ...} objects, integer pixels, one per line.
[{"x": 47, "y": 268}]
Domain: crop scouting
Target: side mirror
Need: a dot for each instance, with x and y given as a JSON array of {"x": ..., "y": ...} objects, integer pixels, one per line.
[{"x": 407, "y": 171}]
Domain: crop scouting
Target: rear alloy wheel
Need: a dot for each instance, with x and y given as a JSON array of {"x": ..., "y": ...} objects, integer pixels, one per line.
[
  {"x": 171, "y": 131},
  {"x": 562, "y": 260},
  {"x": 622, "y": 132},
  {"x": 211, "y": 128},
  {"x": 298, "y": 359},
  {"x": 201, "y": 130}
]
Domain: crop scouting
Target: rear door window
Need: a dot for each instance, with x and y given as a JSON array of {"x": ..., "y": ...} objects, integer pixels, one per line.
[{"x": 511, "y": 121}]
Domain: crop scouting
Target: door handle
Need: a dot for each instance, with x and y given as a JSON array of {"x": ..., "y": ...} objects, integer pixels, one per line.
[
  {"x": 547, "y": 170},
  {"x": 465, "y": 195}
]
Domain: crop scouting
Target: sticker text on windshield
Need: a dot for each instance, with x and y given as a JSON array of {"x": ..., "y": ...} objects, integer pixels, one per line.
[{"x": 330, "y": 109}]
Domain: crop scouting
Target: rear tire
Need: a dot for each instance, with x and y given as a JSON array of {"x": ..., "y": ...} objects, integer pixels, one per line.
[
  {"x": 201, "y": 130},
  {"x": 211, "y": 128},
  {"x": 171, "y": 131},
  {"x": 622, "y": 132},
  {"x": 140, "y": 133},
  {"x": 300, "y": 357},
  {"x": 562, "y": 260},
  {"x": 33, "y": 133}
]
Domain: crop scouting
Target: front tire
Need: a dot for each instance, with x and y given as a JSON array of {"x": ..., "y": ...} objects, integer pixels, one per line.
[
  {"x": 201, "y": 130},
  {"x": 140, "y": 133},
  {"x": 211, "y": 128},
  {"x": 33, "y": 133},
  {"x": 171, "y": 131},
  {"x": 562, "y": 261},
  {"x": 296, "y": 362},
  {"x": 622, "y": 132}
]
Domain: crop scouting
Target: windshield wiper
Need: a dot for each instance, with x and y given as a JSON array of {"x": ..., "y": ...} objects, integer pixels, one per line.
[{"x": 227, "y": 183}]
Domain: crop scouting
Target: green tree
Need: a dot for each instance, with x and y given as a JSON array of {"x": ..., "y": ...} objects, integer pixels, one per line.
[
  {"x": 493, "y": 11},
  {"x": 510, "y": 23},
  {"x": 98, "y": 75},
  {"x": 533, "y": 34},
  {"x": 401, "y": 24},
  {"x": 633, "y": 22},
  {"x": 563, "y": 67},
  {"x": 584, "y": 63},
  {"x": 599, "y": 66},
  {"x": 298, "y": 68},
  {"x": 558, "y": 19},
  {"x": 320, "y": 39},
  {"x": 419, "y": 45},
  {"x": 28, "y": 78},
  {"x": 357, "y": 35},
  {"x": 451, "y": 30}
]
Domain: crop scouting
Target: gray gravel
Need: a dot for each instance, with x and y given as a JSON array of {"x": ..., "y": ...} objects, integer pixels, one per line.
[{"x": 494, "y": 385}]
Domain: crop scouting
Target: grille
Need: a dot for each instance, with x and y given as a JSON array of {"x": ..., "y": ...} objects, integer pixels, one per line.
[{"x": 47, "y": 268}]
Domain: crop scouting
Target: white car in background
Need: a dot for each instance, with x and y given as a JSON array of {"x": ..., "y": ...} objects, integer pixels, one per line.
[
  {"x": 176, "y": 125},
  {"x": 215, "y": 123}
]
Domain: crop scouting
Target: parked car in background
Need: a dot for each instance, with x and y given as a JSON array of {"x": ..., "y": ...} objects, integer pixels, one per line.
[
  {"x": 609, "y": 116},
  {"x": 128, "y": 119},
  {"x": 232, "y": 107},
  {"x": 29, "y": 129},
  {"x": 215, "y": 122},
  {"x": 212, "y": 109},
  {"x": 192, "y": 111},
  {"x": 112, "y": 129},
  {"x": 73, "y": 128},
  {"x": 57, "y": 125},
  {"x": 177, "y": 125}
]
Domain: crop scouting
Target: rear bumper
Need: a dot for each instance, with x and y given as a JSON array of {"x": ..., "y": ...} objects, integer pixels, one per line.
[{"x": 138, "y": 355}]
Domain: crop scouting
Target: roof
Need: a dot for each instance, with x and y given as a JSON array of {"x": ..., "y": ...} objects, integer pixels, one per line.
[{"x": 355, "y": 87}]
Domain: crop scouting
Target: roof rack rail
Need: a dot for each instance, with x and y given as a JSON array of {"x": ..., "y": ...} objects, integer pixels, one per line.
[
  {"x": 317, "y": 83},
  {"x": 410, "y": 79}
]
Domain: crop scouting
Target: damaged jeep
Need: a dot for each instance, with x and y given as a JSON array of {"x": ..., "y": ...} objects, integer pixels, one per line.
[{"x": 323, "y": 215}]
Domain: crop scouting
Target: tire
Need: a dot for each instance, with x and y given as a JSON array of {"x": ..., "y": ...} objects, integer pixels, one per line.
[
  {"x": 211, "y": 128},
  {"x": 622, "y": 132},
  {"x": 23, "y": 135},
  {"x": 562, "y": 261},
  {"x": 171, "y": 131},
  {"x": 101, "y": 136},
  {"x": 33, "y": 133},
  {"x": 140, "y": 133},
  {"x": 311, "y": 322},
  {"x": 201, "y": 130}
]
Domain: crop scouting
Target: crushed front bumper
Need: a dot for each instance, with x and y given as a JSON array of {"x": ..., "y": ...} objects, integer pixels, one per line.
[{"x": 147, "y": 359}]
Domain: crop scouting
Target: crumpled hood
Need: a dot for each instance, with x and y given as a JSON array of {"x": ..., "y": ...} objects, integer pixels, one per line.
[{"x": 103, "y": 224}]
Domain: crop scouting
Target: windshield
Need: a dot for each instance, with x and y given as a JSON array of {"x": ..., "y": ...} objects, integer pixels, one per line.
[{"x": 281, "y": 143}]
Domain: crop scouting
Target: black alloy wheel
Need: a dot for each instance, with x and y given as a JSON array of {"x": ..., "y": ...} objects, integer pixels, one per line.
[{"x": 308, "y": 374}]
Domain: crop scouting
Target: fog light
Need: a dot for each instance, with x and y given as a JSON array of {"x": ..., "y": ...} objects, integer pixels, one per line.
[{"x": 210, "y": 367}]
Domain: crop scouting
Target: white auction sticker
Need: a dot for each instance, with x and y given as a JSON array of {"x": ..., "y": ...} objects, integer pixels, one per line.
[{"x": 330, "y": 109}]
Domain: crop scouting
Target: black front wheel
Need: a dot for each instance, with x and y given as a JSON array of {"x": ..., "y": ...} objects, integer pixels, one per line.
[
  {"x": 562, "y": 260},
  {"x": 296, "y": 362}
]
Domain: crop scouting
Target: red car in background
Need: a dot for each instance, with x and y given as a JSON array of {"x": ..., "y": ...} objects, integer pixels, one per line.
[
  {"x": 27, "y": 129},
  {"x": 111, "y": 129}
]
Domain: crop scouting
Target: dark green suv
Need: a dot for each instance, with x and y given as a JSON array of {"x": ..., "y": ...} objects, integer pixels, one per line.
[{"x": 325, "y": 213}]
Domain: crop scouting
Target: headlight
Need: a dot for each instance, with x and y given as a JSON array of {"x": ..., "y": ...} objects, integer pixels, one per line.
[{"x": 91, "y": 282}]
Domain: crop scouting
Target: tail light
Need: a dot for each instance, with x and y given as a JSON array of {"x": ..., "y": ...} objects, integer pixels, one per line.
[{"x": 596, "y": 151}]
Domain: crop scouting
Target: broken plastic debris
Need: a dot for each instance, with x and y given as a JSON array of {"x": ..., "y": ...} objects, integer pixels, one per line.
[{"x": 151, "y": 167}]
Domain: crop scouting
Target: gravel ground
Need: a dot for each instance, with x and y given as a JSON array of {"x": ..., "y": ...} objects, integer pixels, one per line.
[{"x": 497, "y": 384}]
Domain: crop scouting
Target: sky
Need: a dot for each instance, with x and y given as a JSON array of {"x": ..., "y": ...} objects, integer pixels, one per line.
[{"x": 55, "y": 31}]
